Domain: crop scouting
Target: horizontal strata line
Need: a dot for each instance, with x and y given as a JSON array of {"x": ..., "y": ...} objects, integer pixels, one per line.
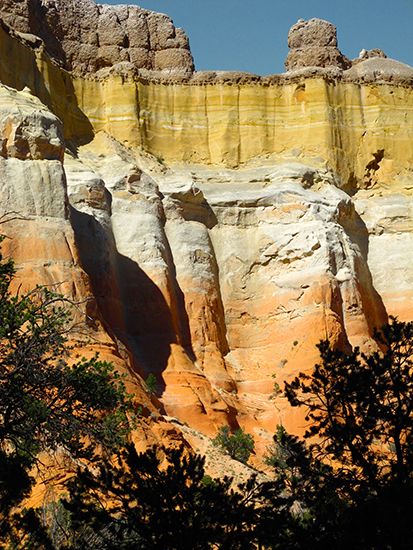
[
  {"x": 166, "y": 127},
  {"x": 280, "y": 111},
  {"x": 269, "y": 123},
  {"x": 113, "y": 119}
]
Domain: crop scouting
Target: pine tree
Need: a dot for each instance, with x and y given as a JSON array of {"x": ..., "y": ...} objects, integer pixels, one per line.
[
  {"x": 360, "y": 409},
  {"x": 45, "y": 402}
]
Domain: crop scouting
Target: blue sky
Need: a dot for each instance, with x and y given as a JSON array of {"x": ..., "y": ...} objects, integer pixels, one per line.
[{"x": 251, "y": 35}]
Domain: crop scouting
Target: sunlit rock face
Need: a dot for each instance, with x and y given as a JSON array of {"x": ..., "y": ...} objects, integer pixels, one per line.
[
  {"x": 33, "y": 192},
  {"x": 84, "y": 37},
  {"x": 43, "y": 235},
  {"x": 314, "y": 44},
  {"x": 218, "y": 279},
  {"x": 349, "y": 117},
  {"x": 388, "y": 214},
  {"x": 218, "y": 225}
]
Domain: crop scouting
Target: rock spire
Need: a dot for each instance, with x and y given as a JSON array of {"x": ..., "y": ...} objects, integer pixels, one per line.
[{"x": 313, "y": 43}]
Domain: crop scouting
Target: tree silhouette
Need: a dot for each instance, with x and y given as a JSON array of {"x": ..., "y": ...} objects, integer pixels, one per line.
[
  {"x": 162, "y": 499},
  {"x": 360, "y": 409},
  {"x": 45, "y": 403}
]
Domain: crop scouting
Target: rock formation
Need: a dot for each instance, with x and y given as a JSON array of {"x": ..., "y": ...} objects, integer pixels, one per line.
[
  {"x": 220, "y": 223},
  {"x": 83, "y": 37},
  {"x": 314, "y": 43}
]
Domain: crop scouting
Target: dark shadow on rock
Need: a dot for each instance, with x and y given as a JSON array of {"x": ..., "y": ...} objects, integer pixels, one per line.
[
  {"x": 39, "y": 20},
  {"x": 183, "y": 328},
  {"x": 193, "y": 209},
  {"x": 130, "y": 302},
  {"x": 201, "y": 213},
  {"x": 372, "y": 303},
  {"x": 148, "y": 319}
]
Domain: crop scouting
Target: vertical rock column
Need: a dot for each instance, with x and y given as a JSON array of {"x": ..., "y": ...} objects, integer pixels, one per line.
[
  {"x": 33, "y": 192},
  {"x": 189, "y": 218}
]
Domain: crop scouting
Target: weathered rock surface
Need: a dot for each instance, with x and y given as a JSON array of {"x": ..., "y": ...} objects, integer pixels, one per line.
[
  {"x": 191, "y": 271},
  {"x": 128, "y": 255},
  {"x": 44, "y": 237},
  {"x": 368, "y": 54},
  {"x": 388, "y": 215},
  {"x": 231, "y": 118},
  {"x": 314, "y": 43},
  {"x": 83, "y": 36},
  {"x": 222, "y": 222},
  {"x": 217, "y": 280},
  {"x": 380, "y": 70},
  {"x": 33, "y": 187}
]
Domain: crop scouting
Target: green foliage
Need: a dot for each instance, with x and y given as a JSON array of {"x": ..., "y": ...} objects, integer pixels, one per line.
[
  {"x": 238, "y": 445},
  {"x": 276, "y": 389},
  {"x": 45, "y": 403},
  {"x": 151, "y": 384}
]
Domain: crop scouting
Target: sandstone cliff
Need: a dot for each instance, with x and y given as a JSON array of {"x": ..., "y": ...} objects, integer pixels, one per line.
[{"x": 222, "y": 222}]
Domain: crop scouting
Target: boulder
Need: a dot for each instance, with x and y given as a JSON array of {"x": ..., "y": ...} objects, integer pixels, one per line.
[{"x": 313, "y": 43}]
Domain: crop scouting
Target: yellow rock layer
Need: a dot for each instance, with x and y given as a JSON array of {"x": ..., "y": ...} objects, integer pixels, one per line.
[{"x": 226, "y": 123}]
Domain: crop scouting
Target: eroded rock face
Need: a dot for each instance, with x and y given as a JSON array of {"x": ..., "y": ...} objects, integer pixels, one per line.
[
  {"x": 127, "y": 250},
  {"x": 31, "y": 172},
  {"x": 38, "y": 224},
  {"x": 313, "y": 43},
  {"x": 33, "y": 196},
  {"x": 28, "y": 131},
  {"x": 83, "y": 36},
  {"x": 214, "y": 279},
  {"x": 388, "y": 215},
  {"x": 369, "y": 54},
  {"x": 217, "y": 279}
]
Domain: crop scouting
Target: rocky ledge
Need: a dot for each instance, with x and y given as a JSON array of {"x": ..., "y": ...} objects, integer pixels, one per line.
[{"x": 100, "y": 41}]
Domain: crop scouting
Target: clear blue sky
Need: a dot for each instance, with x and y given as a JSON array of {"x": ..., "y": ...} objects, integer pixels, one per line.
[{"x": 251, "y": 35}]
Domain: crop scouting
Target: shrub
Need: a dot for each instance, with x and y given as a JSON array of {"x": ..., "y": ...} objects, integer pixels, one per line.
[
  {"x": 151, "y": 385},
  {"x": 238, "y": 444}
]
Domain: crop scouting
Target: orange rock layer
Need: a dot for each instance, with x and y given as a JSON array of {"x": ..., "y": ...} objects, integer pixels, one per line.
[{"x": 219, "y": 280}]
